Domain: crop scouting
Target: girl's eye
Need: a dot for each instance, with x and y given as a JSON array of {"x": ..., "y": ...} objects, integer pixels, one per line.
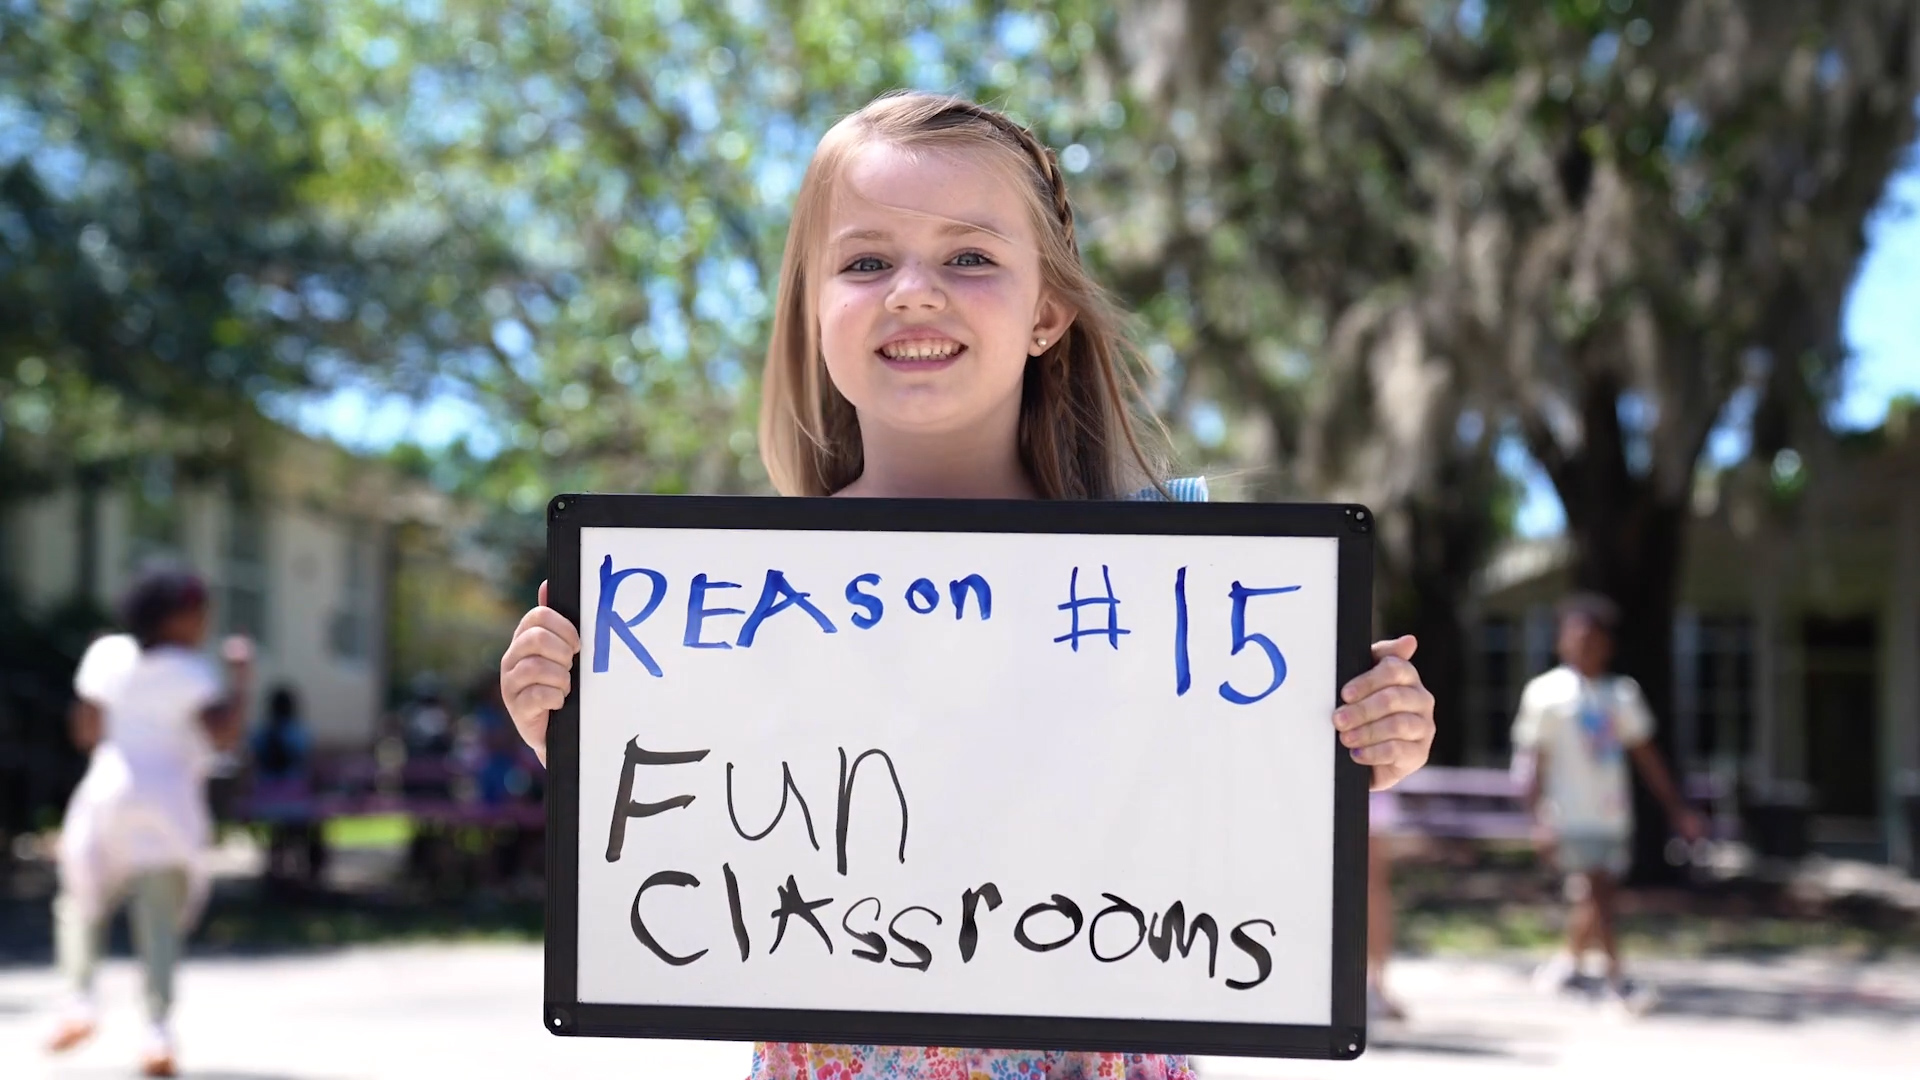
[
  {"x": 980, "y": 260},
  {"x": 866, "y": 264}
]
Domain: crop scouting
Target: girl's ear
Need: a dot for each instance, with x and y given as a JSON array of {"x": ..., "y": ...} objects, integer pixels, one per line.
[{"x": 1050, "y": 324}]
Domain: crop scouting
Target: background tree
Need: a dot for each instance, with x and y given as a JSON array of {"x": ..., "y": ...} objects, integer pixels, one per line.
[{"x": 1596, "y": 220}]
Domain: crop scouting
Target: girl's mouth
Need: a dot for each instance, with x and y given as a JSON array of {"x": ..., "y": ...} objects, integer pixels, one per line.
[{"x": 931, "y": 355}]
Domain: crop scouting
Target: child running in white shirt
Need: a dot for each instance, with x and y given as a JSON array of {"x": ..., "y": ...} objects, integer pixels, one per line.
[{"x": 153, "y": 711}]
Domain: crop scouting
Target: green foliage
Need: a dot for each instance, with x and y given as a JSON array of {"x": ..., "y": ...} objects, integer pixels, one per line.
[{"x": 568, "y": 215}]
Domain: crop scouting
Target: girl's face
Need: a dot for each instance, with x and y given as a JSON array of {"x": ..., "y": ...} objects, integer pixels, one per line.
[{"x": 930, "y": 296}]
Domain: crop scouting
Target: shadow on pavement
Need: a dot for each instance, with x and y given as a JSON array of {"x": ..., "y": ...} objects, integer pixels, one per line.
[
  {"x": 186, "y": 1073},
  {"x": 252, "y": 918},
  {"x": 1436, "y": 1044},
  {"x": 1706, "y": 1001}
]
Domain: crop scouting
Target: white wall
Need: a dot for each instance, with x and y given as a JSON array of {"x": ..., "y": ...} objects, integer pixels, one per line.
[
  {"x": 340, "y": 695},
  {"x": 42, "y": 563},
  {"x": 306, "y": 556}
]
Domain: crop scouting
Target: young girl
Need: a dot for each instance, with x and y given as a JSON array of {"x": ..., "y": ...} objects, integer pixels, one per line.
[
  {"x": 936, "y": 336},
  {"x": 137, "y": 823}
]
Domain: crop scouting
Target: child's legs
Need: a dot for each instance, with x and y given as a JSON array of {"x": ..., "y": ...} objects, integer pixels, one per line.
[
  {"x": 1593, "y": 865},
  {"x": 77, "y": 935},
  {"x": 1604, "y": 894},
  {"x": 156, "y": 909},
  {"x": 1580, "y": 922}
]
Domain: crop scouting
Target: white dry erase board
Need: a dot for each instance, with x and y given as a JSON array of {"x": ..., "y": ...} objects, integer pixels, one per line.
[{"x": 1044, "y": 775}]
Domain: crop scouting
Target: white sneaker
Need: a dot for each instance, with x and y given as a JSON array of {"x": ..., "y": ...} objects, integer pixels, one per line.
[
  {"x": 156, "y": 1057},
  {"x": 1382, "y": 1008},
  {"x": 76, "y": 1025},
  {"x": 1632, "y": 998},
  {"x": 1557, "y": 975}
]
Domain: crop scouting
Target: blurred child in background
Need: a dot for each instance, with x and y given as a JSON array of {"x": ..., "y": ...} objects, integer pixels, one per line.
[
  {"x": 283, "y": 789},
  {"x": 154, "y": 712},
  {"x": 1577, "y": 726}
]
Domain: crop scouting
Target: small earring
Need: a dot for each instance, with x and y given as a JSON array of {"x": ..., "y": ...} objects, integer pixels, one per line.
[{"x": 1042, "y": 342}]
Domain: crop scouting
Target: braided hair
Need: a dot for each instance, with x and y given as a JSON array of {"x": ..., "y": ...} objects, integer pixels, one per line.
[
  {"x": 1080, "y": 400},
  {"x": 1045, "y": 161}
]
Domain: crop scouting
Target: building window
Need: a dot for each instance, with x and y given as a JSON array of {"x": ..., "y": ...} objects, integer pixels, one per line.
[
  {"x": 246, "y": 574},
  {"x": 153, "y": 516},
  {"x": 352, "y": 626},
  {"x": 1723, "y": 694}
]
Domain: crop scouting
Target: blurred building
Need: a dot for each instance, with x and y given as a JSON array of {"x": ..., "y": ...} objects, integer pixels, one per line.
[
  {"x": 305, "y": 554},
  {"x": 1796, "y": 646}
]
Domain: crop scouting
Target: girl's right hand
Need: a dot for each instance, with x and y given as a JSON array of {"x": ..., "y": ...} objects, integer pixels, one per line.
[{"x": 536, "y": 671}]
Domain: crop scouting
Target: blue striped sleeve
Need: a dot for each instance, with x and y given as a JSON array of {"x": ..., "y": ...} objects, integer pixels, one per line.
[{"x": 1180, "y": 488}]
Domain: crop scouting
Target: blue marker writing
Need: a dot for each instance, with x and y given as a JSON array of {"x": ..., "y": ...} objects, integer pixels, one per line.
[
  {"x": 777, "y": 596},
  {"x": 606, "y": 620}
]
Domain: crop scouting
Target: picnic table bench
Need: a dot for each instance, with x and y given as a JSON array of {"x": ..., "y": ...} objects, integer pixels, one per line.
[
  {"x": 1455, "y": 803},
  {"x": 453, "y": 832}
]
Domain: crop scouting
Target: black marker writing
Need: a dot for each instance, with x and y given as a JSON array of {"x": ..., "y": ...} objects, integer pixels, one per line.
[
  {"x": 791, "y": 903},
  {"x": 640, "y": 931},
  {"x": 923, "y": 955},
  {"x": 969, "y": 931},
  {"x": 847, "y": 777},
  {"x": 733, "y": 909},
  {"x": 1262, "y": 960},
  {"x": 1117, "y": 906},
  {"x": 1163, "y": 936},
  {"x": 623, "y": 805},
  {"x": 876, "y": 949},
  {"x": 1059, "y": 906},
  {"x": 786, "y": 786},
  {"x": 880, "y": 940}
]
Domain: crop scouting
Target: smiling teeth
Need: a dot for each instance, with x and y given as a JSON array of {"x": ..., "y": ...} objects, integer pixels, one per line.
[{"x": 921, "y": 350}]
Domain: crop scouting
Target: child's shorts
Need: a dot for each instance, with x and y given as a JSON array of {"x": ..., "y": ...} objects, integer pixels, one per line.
[{"x": 1592, "y": 854}]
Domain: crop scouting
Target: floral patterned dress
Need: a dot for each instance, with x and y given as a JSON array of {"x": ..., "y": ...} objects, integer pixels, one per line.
[{"x": 813, "y": 1061}]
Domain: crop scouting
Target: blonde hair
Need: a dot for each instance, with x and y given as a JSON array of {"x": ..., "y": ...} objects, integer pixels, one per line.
[{"x": 1079, "y": 398}]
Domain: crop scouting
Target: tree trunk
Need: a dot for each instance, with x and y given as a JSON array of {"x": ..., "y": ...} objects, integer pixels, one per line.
[
  {"x": 1430, "y": 608},
  {"x": 1451, "y": 528},
  {"x": 1636, "y": 563},
  {"x": 1628, "y": 539}
]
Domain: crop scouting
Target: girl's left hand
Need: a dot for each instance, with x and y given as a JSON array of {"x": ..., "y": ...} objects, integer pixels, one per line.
[{"x": 1387, "y": 721}]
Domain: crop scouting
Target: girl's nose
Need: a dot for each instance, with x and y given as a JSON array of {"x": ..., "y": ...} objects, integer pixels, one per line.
[{"x": 915, "y": 290}]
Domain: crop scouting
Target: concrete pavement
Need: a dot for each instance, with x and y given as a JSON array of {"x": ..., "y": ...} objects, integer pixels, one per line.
[{"x": 473, "y": 1011}]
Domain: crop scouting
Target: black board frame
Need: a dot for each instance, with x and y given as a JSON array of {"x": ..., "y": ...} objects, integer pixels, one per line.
[{"x": 1343, "y": 1039}]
